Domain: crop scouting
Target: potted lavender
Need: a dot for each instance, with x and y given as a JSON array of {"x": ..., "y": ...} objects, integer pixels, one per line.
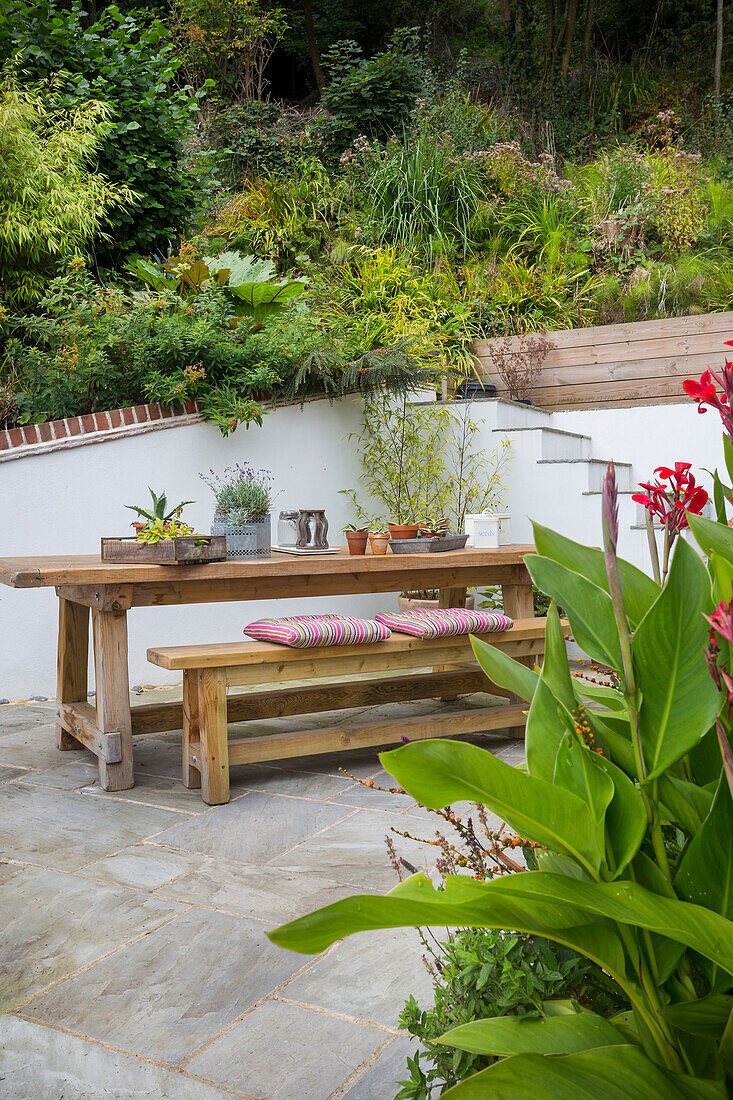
[{"x": 243, "y": 497}]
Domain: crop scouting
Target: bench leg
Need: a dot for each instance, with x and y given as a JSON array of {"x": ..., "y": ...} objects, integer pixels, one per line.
[
  {"x": 113, "y": 695},
  {"x": 191, "y": 729},
  {"x": 73, "y": 654},
  {"x": 213, "y": 727},
  {"x": 450, "y": 597},
  {"x": 519, "y": 604}
]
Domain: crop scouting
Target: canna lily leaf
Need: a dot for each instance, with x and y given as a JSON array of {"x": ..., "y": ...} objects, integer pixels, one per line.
[
  {"x": 462, "y": 902},
  {"x": 555, "y": 667},
  {"x": 524, "y": 902},
  {"x": 438, "y": 772},
  {"x": 507, "y": 1035},
  {"x": 686, "y": 804},
  {"x": 679, "y": 698},
  {"x": 705, "y": 873},
  {"x": 712, "y": 537},
  {"x": 706, "y": 1017},
  {"x": 504, "y": 670},
  {"x": 640, "y": 591},
  {"x": 599, "y": 693},
  {"x": 626, "y": 818},
  {"x": 612, "y": 1072},
  {"x": 587, "y": 606}
]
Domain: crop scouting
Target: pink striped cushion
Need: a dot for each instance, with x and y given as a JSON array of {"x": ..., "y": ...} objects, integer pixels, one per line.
[
  {"x": 446, "y": 623},
  {"x": 304, "y": 631}
]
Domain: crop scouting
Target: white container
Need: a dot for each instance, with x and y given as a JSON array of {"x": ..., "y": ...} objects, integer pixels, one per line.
[
  {"x": 505, "y": 528},
  {"x": 483, "y": 530}
]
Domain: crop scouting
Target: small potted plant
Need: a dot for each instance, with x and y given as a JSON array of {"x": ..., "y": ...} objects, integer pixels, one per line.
[
  {"x": 434, "y": 528},
  {"x": 356, "y": 538},
  {"x": 158, "y": 513},
  {"x": 379, "y": 541},
  {"x": 403, "y": 530},
  {"x": 243, "y": 499}
]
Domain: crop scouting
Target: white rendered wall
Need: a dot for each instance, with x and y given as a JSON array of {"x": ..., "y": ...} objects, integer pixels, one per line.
[{"x": 63, "y": 501}]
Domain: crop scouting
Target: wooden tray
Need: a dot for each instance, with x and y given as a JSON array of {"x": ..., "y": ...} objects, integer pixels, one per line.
[
  {"x": 184, "y": 550},
  {"x": 428, "y": 545}
]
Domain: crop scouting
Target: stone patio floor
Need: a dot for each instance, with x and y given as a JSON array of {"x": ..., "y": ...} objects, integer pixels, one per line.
[{"x": 133, "y": 955}]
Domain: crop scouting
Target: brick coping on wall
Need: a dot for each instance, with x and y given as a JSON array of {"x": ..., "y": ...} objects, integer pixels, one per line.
[{"x": 98, "y": 427}]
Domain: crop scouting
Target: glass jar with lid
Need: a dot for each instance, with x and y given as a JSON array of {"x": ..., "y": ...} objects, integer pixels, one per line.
[{"x": 287, "y": 529}]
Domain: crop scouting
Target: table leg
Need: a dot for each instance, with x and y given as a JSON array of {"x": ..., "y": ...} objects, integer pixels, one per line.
[
  {"x": 213, "y": 726},
  {"x": 519, "y": 604},
  {"x": 113, "y": 694},
  {"x": 191, "y": 726},
  {"x": 73, "y": 655}
]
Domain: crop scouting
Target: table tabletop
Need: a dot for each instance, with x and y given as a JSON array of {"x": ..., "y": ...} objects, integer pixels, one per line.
[{"x": 50, "y": 571}]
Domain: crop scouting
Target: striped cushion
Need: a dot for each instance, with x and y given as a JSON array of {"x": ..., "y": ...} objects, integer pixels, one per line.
[
  {"x": 303, "y": 631},
  {"x": 446, "y": 623}
]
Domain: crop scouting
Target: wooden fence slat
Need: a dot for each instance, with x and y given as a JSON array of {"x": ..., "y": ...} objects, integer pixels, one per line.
[
  {"x": 615, "y": 365},
  {"x": 673, "y": 327},
  {"x": 704, "y": 343}
]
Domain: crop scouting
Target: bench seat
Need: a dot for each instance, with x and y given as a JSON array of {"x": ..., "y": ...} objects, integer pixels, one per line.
[{"x": 209, "y": 670}]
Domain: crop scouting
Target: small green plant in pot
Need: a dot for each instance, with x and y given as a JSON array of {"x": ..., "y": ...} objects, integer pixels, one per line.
[
  {"x": 356, "y": 537},
  {"x": 159, "y": 513},
  {"x": 243, "y": 498}
]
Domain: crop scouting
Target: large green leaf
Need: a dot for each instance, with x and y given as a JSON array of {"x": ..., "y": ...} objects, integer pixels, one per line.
[
  {"x": 607, "y": 1073},
  {"x": 557, "y": 906},
  {"x": 438, "y": 772},
  {"x": 507, "y": 1035},
  {"x": 544, "y": 732},
  {"x": 712, "y": 537},
  {"x": 587, "y": 606},
  {"x": 687, "y": 805},
  {"x": 599, "y": 693},
  {"x": 464, "y": 903},
  {"x": 240, "y": 268},
  {"x": 679, "y": 698},
  {"x": 626, "y": 818},
  {"x": 640, "y": 591},
  {"x": 151, "y": 274},
  {"x": 705, "y": 873},
  {"x": 504, "y": 670},
  {"x": 707, "y": 1017},
  {"x": 555, "y": 667}
]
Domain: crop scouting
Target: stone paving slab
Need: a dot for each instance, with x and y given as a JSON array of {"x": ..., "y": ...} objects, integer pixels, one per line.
[
  {"x": 35, "y": 748},
  {"x": 66, "y": 829},
  {"x": 143, "y": 867},
  {"x": 263, "y": 893},
  {"x": 138, "y": 946},
  {"x": 380, "y": 1080},
  {"x": 254, "y": 827},
  {"x": 354, "y": 851},
  {"x": 165, "y": 995},
  {"x": 369, "y": 976},
  {"x": 40, "y": 1063},
  {"x": 303, "y": 1067},
  {"x": 70, "y": 777},
  {"x": 56, "y": 923},
  {"x": 7, "y": 773}
]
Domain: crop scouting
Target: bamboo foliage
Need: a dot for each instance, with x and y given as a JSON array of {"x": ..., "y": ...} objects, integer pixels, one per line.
[{"x": 52, "y": 201}]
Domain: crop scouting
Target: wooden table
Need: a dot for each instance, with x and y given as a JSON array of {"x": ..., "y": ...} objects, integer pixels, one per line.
[{"x": 110, "y": 590}]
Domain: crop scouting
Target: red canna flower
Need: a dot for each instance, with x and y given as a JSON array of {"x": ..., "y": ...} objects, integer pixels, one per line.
[
  {"x": 670, "y": 503},
  {"x": 705, "y": 392},
  {"x": 721, "y": 622}
]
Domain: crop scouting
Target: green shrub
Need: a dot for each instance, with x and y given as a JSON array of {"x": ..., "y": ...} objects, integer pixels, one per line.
[
  {"x": 482, "y": 973},
  {"x": 371, "y": 96},
  {"x": 127, "y": 62},
  {"x": 52, "y": 204}
]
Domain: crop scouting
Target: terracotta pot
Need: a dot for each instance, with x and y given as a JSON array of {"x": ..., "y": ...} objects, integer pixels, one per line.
[
  {"x": 357, "y": 541},
  {"x": 407, "y": 603},
  {"x": 379, "y": 543},
  {"x": 138, "y": 527},
  {"x": 403, "y": 530}
]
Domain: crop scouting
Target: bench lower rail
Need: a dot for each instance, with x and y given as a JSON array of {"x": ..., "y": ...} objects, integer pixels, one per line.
[{"x": 281, "y": 746}]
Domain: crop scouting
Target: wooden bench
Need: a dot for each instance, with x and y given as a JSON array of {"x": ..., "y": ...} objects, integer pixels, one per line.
[{"x": 208, "y": 670}]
